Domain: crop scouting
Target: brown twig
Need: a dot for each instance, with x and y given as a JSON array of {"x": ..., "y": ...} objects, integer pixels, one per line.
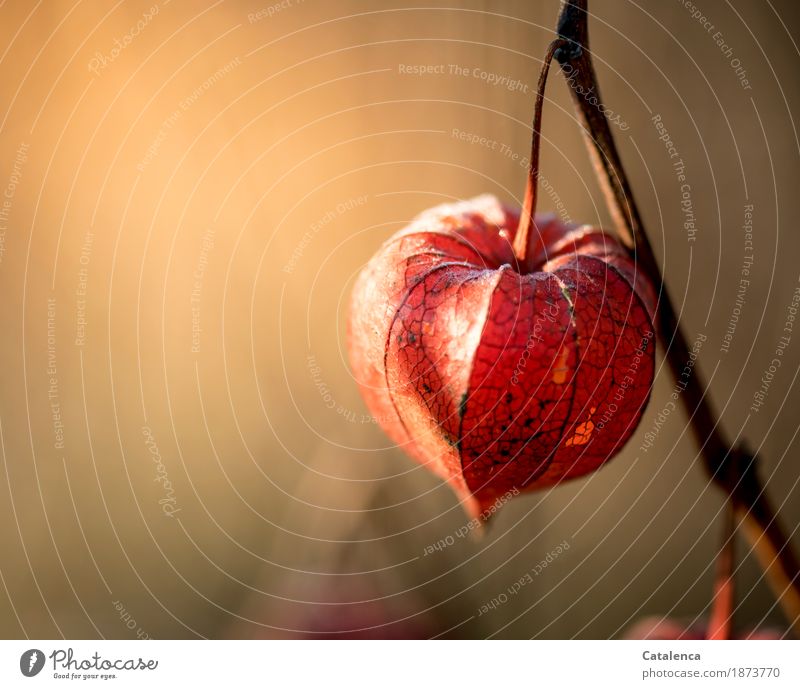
[
  {"x": 732, "y": 469},
  {"x": 720, "y": 621}
]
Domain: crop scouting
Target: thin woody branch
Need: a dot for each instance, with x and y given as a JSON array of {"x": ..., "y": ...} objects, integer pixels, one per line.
[{"x": 732, "y": 469}]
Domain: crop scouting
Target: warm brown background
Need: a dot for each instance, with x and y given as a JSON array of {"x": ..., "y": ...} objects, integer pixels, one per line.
[{"x": 285, "y": 502}]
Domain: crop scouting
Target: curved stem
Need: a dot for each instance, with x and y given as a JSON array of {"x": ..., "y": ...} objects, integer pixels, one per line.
[
  {"x": 522, "y": 239},
  {"x": 731, "y": 469}
]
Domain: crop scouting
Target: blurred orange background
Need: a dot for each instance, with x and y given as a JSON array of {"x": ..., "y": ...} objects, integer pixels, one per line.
[{"x": 191, "y": 189}]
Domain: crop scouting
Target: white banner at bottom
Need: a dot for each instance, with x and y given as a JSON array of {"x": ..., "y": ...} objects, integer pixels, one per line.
[{"x": 379, "y": 664}]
